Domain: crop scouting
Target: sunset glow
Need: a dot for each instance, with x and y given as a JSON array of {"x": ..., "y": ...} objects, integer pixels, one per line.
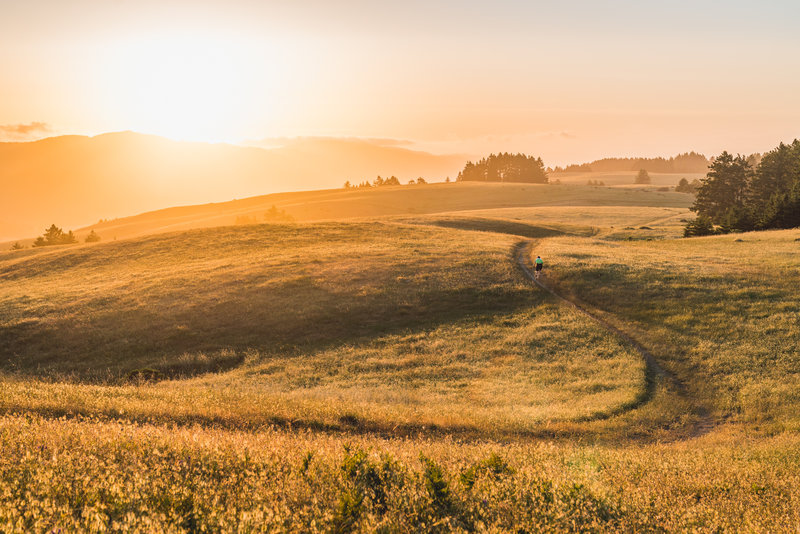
[
  {"x": 186, "y": 87},
  {"x": 572, "y": 82}
]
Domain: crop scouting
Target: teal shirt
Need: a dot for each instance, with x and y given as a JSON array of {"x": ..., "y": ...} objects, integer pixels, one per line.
[{"x": 539, "y": 261}]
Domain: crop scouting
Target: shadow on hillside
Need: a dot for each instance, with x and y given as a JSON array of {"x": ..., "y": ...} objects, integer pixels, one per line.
[
  {"x": 300, "y": 315},
  {"x": 625, "y": 426},
  {"x": 500, "y": 226}
]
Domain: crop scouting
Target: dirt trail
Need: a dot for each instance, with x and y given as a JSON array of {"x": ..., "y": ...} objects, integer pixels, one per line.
[
  {"x": 662, "y": 220},
  {"x": 706, "y": 422}
]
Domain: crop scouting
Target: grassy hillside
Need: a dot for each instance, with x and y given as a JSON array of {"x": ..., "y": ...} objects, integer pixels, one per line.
[
  {"x": 403, "y": 374},
  {"x": 624, "y": 178},
  {"x": 722, "y": 312},
  {"x": 373, "y": 324},
  {"x": 76, "y": 180},
  {"x": 341, "y": 204}
]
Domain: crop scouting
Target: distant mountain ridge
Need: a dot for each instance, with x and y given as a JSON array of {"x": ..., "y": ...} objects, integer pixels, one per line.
[{"x": 74, "y": 181}]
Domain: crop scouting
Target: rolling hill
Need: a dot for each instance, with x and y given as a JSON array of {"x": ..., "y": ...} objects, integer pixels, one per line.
[
  {"x": 76, "y": 180},
  {"x": 342, "y": 204},
  {"x": 402, "y": 373}
]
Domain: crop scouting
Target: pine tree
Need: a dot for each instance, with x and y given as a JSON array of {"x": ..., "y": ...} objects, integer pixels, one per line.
[
  {"x": 725, "y": 187},
  {"x": 505, "y": 167},
  {"x": 699, "y": 227},
  {"x": 642, "y": 177}
]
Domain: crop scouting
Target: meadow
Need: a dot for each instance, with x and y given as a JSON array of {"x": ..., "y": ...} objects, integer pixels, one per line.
[
  {"x": 402, "y": 373},
  {"x": 365, "y": 324},
  {"x": 365, "y": 203},
  {"x": 722, "y": 312},
  {"x": 623, "y": 178}
]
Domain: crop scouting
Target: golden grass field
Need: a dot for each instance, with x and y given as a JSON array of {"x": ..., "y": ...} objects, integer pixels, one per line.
[
  {"x": 623, "y": 178},
  {"x": 402, "y": 373},
  {"x": 349, "y": 204}
]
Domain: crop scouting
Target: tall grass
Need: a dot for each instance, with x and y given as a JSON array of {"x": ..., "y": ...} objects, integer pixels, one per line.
[
  {"x": 722, "y": 312},
  {"x": 400, "y": 376},
  {"x": 96, "y": 476},
  {"x": 340, "y": 326}
]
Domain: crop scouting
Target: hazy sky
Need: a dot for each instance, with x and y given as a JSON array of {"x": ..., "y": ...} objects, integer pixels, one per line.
[{"x": 570, "y": 81}]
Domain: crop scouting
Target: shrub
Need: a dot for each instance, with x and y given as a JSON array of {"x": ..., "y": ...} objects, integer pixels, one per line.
[
  {"x": 275, "y": 215},
  {"x": 494, "y": 466},
  {"x": 435, "y": 484},
  {"x": 92, "y": 237},
  {"x": 642, "y": 177}
]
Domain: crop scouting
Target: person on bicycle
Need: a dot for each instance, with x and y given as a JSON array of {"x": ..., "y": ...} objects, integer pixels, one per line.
[{"x": 538, "y": 265}]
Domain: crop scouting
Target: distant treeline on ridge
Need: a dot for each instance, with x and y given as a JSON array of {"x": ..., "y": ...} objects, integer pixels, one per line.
[
  {"x": 505, "y": 167},
  {"x": 688, "y": 162}
]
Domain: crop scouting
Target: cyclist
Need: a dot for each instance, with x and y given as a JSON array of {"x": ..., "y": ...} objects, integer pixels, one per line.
[{"x": 538, "y": 265}]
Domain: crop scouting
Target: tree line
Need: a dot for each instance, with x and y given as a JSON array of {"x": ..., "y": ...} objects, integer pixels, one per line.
[
  {"x": 56, "y": 236},
  {"x": 688, "y": 162},
  {"x": 505, "y": 167},
  {"x": 379, "y": 182},
  {"x": 741, "y": 193}
]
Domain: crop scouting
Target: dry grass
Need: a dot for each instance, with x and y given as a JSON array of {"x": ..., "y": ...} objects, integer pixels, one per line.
[
  {"x": 625, "y": 178},
  {"x": 96, "y": 476},
  {"x": 368, "y": 325},
  {"x": 721, "y": 311},
  {"x": 342, "y": 204},
  {"x": 402, "y": 376}
]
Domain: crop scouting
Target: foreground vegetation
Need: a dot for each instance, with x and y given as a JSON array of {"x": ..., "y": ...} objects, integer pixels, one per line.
[
  {"x": 86, "y": 475},
  {"x": 403, "y": 375}
]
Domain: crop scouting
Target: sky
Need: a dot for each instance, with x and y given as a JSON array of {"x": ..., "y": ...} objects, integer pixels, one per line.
[{"x": 567, "y": 81}]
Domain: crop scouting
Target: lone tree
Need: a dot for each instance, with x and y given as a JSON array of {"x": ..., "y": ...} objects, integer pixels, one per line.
[
  {"x": 17, "y": 246},
  {"x": 642, "y": 177},
  {"x": 54, "y": 236},
  {"x": 92, "y": 237}
]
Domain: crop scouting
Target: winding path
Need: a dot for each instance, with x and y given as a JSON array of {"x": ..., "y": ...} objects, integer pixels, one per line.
[{"x": 706, "y": 422}]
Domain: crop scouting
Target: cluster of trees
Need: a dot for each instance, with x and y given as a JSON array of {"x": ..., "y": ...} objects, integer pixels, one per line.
[
  {"x": 688, "y": 162},
  {"x": 505, "y": 167},
  {"x": 685, "y": 186},
  {"x": 737, "y": 195},
  {"x": 392, "y": 180},
  {"x": 54, "y": 236},
  {"x": 595, "y": 182}
]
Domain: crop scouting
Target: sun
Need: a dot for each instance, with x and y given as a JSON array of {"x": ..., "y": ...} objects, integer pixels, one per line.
[{"x": 187, "y": 87}]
